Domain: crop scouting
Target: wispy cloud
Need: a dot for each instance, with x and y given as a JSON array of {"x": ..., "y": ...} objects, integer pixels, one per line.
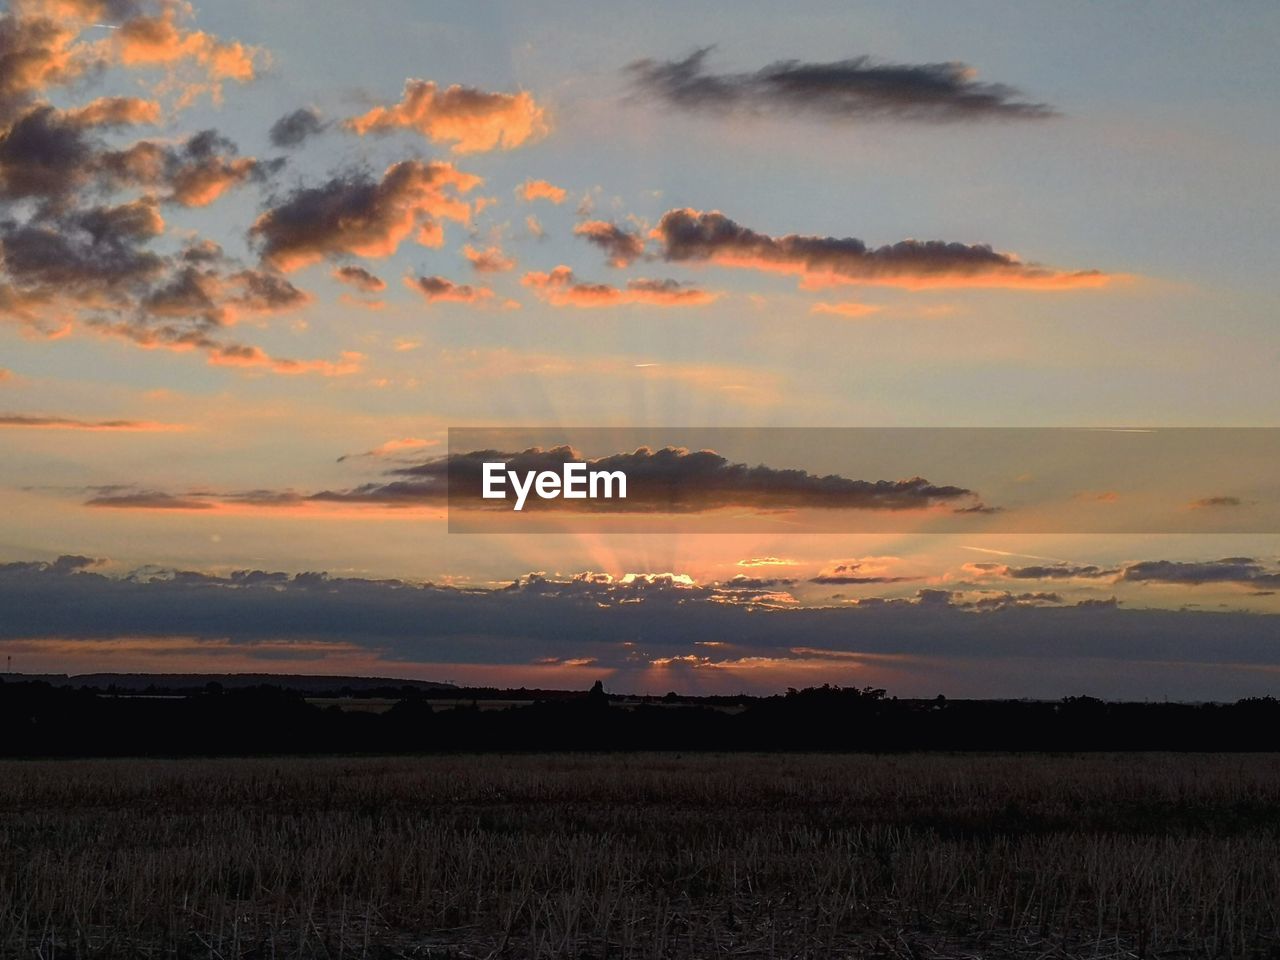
[
  {"x": 73, "y": 423},
  {"x": 562, "y": 289}
]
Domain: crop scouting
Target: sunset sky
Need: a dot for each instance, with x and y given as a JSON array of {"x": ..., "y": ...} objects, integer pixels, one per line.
[{"x": 259, "y": 258}]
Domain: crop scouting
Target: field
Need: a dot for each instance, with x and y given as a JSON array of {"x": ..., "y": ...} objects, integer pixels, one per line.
[{"x": 593, "y": 856}]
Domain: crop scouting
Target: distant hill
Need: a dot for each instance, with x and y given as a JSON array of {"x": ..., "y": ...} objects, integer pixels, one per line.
[{"x": 178, "y": 683}]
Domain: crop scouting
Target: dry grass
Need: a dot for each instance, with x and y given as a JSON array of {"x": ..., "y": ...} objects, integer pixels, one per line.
[{"x": 642, "y": 856}]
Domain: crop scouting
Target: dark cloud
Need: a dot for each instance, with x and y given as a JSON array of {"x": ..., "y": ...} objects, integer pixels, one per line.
[
  {"x": 148, "y": 500},
  {"x": 216, "y": 298},
  {"x": 1233, "y": 570},
  {"x": 190, "y": 292},
  {"x": 356, "y": 215},
  {"x": 397, "y": 493},
  {"x": 1206, "y": 503},
  {"x": 293, "y": 129},
  {"x": 1004, "y": 600},
  {"x": 442, "y": 290},
  {"x": 360, "y": 278},
  {"x": 855, "y": 572},
  {"x": 91, "y": 253},
  {"x": 1244, "y": 571},
  {"x": 51, "y": 155},
  {"x": 1056, "y": 572},
  {"x": 45, "y": 155},
  {"x": 979, "y": 508},
  {"x": 679, "y": 480},
  {"x": 262, "y": 291},
  {"x": 845, "y": 90},
  {"x": 744, "y": 582},
  {"x": 620, "y": 245},
  {"x": 203, "y": 251},
  {"x": 687, "y": 235},
  {"x": 64, "y": 565}
]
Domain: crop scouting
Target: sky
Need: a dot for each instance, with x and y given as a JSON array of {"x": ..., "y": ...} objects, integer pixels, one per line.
[{"x": 257, "y": 260}]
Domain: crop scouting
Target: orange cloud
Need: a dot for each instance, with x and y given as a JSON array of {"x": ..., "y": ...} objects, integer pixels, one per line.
[
  {"x": 847, "y": 309},
  {"x": 473, "y": 120},
  {"x": 406, "y": 443},
  {"x": 358, "y": 216},
  {"x": 40, "y": 52},
  {"x": 195, "y": 173},
  {"x": 393, "y": 446},
  {"x": 489, "y": 260},
  {"x": 160, "y": 41},
  {"x": 532, "y": 190},
  {"x": 561, "y": 289},
  {"x": 200, "y": 185},
  {"x": 114, "y": 112},
  {"x": 43, "y": 48}
]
